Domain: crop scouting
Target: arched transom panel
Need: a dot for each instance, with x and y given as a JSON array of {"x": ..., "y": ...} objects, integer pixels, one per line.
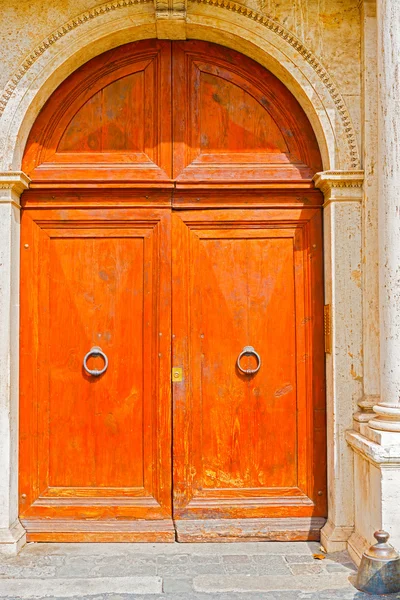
[{"x": 171, "y": 113}]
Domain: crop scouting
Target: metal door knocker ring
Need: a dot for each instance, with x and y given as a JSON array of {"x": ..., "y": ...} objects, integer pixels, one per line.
[
  {"x": 95, "y": 351},
  {"x": 249, "y": 351}
]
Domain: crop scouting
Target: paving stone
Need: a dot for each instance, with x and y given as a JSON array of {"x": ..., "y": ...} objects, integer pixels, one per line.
[
  {"x": 240, "y": 571},
  {"x": 277, "y": 595},
  {"x": 237, "y": 565},
  {"x": 68, "y": 588},
  {"x": 270, "y": 565},
  {"x": 105, "y": 566},
  {"x": 299, "y": 558},
  {"x": 22, "y": 572},
  {"x": 173, "y": 565},
  {"x": 205, "y": 559},
  {"x": 180, "y": 585},
  {"x": 337, "y": 568},
  {"x": 248, "y": 583},
  {"x": 309, "y": 569}
]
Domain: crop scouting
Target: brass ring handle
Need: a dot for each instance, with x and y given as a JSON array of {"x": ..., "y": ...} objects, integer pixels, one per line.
[
  {"x": 249, "y": 351},
  {"x": 95, "y": 351}
]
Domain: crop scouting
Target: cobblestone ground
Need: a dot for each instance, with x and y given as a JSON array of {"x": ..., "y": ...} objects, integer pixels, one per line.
[{"x": 242, "y": 571}]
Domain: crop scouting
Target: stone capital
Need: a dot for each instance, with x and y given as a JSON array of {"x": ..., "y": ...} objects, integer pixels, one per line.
[
  {"x": 12, "y": 184},
  {"x": 340, "y": 186}
]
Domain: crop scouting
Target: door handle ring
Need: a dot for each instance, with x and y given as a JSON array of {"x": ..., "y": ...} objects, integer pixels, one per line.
[
  {"x": 248, "y": 351},
  {"x": 95, "y": 351}
]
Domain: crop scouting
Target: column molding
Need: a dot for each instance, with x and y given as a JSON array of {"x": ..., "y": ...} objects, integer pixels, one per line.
[
  {"x": 340, "y": 186},
  {"x": 12, "y": 184}
]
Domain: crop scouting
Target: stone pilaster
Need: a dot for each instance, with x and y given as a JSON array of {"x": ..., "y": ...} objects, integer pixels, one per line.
[
  {"x": 342, "y": 232},
  {"x": 12, "y": 184}
]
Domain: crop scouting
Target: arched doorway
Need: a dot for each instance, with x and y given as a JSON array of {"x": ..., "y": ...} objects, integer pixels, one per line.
[{"x": 173, "y": 224}]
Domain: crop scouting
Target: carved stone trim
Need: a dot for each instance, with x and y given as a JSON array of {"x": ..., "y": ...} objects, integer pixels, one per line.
[
  {"x": 12, "y": 184},
  {"x": 175, "y": 12},
  {"x": 171, "y": 19},
  {"x": 340, "y": 186},
  {"x": 170, "y": 9}
]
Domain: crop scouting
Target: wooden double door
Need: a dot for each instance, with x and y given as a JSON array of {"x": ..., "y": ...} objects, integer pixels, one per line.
[{"x": 172, "y": 367}]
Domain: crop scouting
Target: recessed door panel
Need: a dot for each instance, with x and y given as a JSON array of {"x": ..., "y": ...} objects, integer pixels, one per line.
[
  {"x": 245, "y": 442},
  {"x": 235, "y": 121},
  {"x": 96, "y": 445},
  {"x": 108, "y": 121}
]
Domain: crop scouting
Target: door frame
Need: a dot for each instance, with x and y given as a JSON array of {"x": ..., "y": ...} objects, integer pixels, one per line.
[{"x": 341, "y": 184}]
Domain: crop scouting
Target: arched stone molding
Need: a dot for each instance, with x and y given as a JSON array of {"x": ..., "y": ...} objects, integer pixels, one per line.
[{"x": 229, "y": 23}]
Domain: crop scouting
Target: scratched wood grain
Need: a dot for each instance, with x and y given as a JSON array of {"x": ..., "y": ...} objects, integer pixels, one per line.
[
  {"x": 101, "y": 446},
  {"x": 172, "y": 177},
  {"x": 248, "y": 446}
]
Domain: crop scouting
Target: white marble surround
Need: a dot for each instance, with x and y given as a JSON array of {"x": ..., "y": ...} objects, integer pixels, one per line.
[{"x": 363, "y": 455}]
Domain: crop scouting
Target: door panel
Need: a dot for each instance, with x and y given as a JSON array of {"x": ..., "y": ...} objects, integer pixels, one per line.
[
  {"x": 95, "y": 447},
  {"x": 164, "y": 113},
  {"x": 108, "y": 121},
  {"x": 248, "y": 446},
  {"x": 235, "y": 120}
]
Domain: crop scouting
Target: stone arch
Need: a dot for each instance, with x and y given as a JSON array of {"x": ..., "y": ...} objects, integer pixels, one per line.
[{"x": 228, "y": 23}]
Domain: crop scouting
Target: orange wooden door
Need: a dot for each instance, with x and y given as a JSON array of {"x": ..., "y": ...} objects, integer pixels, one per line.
[
  {"x": 248, "y": 445},
  {"x": 95, "y": 450},
  {"x": 187, "y": 159}
]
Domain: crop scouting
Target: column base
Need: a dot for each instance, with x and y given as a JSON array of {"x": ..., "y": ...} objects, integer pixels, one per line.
[
  {"x": 334, "y": 537},
  {"x": 376, "y": 486},
  {"x": 366, "y": 413},
  {"x": 387, "y": 418},
  {"x": 12, "y": 539},
  {"x": 356, "y": 547}
]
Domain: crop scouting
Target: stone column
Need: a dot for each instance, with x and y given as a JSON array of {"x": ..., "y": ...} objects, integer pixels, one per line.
[
  {"x": 342, "y": 254},
  {"x": 376, "y": 443},
  {"x": 12, "y": 534},
  {"x": 388, "y": 409}
]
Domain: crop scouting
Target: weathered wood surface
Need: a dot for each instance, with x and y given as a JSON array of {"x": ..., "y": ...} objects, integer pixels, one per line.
[
  {"x": 171, "y": 177},
  {"x": 252, "y": 530},
  {"x": 157, "y": 112}
]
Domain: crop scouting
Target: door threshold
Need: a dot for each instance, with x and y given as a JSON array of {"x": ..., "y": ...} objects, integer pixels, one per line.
[
  {"x": 89, "y": 530},
  {"x": 250, "y": 530},
  {"x": 169, "y": 531}
]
